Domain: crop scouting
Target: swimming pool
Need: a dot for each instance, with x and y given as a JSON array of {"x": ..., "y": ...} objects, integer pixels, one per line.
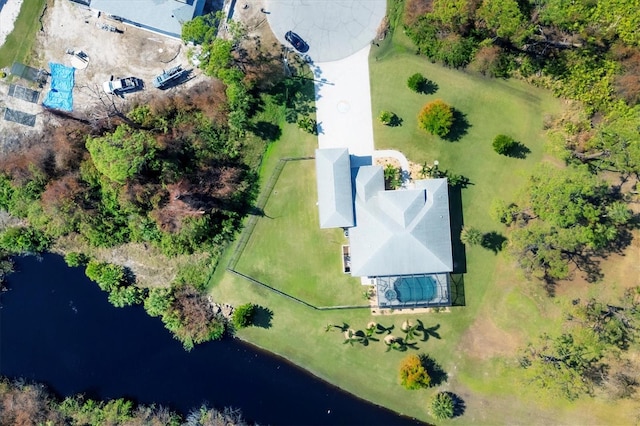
[{"x": 415, "y": 289}]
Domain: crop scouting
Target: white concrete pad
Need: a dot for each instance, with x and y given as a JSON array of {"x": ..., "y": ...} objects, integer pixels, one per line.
[
  {"x": 343, "y": 104},
  {"x": 333, "y": 29}
]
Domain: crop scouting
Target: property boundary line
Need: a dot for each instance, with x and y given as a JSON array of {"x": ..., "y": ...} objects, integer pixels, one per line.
[
  {"x": 250, "y": 225},
  {"x": 263, "y": 198},
  {"x": 293, "y": 298}
]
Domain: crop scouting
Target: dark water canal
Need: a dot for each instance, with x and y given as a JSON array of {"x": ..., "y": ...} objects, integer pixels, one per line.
[{"x": 57, "y": 328}]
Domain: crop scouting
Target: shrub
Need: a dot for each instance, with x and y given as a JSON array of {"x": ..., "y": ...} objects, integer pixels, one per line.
[
  {"x": 417, "y": 82},
  {"x": 436, "y": 118},
  {"x": 76, "y": 259},
  {"x": 125, "y": 296},
  {"x": 18, "y": 239},
  {"x": 442, "y": 406},
  {"x": 413, "y": 375},
  {"x": 503, "y": 144},
  {"x": 386, "y": 117},
  {"x": 243, "y": 315},
  {"x": 392, "y": 177},
  {"x": 308, "y": 124},
  {"x": 107, "y": 275}
]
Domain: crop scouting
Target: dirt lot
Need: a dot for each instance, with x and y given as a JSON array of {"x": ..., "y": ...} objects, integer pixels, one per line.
[{"x": 131, "y": 52}]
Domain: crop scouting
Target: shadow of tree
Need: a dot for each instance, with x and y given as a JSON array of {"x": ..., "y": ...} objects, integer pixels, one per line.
[
  {"x": 341, "y": 327},
  {"x": 395, "y": 121},
  {"x": 459, "y": 405},
  {"x": 428, "y": 87},
  {"x": 427, "y": 333},
  {"x": 459, "y": 128},
  {"x": 267, "y": 131},
  {"x": 493, "y": 241},
  {"x": 437, "y": 374},
  {"x": 519, "y": 150},
  {"x": 262, "y": 317},
  {"x": 381, "y": 329}
]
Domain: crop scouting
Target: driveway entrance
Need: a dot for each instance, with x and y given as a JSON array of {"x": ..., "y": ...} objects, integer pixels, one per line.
[{"x": 333, "y": 29}]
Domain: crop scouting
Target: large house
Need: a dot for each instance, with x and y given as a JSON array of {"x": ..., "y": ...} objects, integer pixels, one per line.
[
  {"x": 399, "y": 240},
  {"x": 160, "y": 16}
]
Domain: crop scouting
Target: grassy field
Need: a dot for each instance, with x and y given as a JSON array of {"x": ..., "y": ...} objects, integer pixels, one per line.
[
  {"x": 19, "y": 43},
  {"x": 477, "y": 344}
]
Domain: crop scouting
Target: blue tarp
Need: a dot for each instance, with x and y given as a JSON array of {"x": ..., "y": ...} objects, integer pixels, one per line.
[{"x": 61, "y": 94}]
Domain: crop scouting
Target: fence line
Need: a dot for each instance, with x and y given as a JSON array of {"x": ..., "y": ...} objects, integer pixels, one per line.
[
  {"x": 263, "y": 198},
  {"x": 250, "y": 225},
  {"x": 293, "y": 298}
]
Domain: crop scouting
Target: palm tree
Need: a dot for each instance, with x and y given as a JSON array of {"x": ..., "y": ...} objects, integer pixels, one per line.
[
  {"x": 351, "y": 336},
  {"x": 410, "y": 329},
  {"x": 470, "y": 236},
  {"x": 344, "y": 327}
]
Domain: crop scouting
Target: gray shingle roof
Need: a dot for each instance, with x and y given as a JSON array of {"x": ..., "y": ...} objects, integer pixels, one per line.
[
  {"x": 163, "y": 16},
  {"x": 401, "y": 232},
  {"x": 335, "y": 197}
]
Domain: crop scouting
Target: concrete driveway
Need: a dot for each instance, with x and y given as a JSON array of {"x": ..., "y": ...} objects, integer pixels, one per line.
[
  {"x": 343, "y": 104},
  {"x": 333, "y": 29},
  {"x": 339, "y": 35}
]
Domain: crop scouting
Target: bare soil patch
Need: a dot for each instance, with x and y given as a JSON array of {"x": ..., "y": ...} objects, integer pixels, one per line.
[{"x": 484, "y": 340}]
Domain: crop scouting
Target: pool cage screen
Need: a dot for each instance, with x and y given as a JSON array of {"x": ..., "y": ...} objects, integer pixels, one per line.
[{"x": 413, "y": 291}]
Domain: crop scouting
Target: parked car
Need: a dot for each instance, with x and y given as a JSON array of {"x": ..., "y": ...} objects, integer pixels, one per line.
[
  {"x": 296, "y": 41},
  {"x": 121, "y": 85},
  {"x": 168, "y": 76}
]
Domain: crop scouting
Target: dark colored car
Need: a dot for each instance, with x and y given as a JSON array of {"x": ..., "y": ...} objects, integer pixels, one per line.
[{"x": 296, "y": 41}]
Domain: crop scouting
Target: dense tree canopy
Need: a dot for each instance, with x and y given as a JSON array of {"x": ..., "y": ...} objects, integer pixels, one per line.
[
  {"x": 567, "y": 216},
  {"x": 122, "y": 154}
]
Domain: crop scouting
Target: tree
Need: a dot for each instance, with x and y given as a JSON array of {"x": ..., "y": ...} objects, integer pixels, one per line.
[
  {"x": 243, "y": 315},
  {"x": 417, "y": 82},
  {"x": 568, "y": 216},
  {"x": 122, "y": 154},
  {"x": 563, "y": 365},
  {"x": 19, "y": 239},
  {"x": 471, "y": 236},
  {"x": 503, "y": 18},
  {"x": 108, "y": 275},
  {"x": 503, "y": 144},
  {"x": 387, "y": 117},
  {"x": 201, "y": 29},
  {"x": 413, "y": 375},
  {"x": 436, "y": 118},
  {"x": 442, "y": 406}
]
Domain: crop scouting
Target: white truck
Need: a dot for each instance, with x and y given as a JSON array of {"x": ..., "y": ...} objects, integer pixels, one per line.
[{"x": 121, "y": 85}]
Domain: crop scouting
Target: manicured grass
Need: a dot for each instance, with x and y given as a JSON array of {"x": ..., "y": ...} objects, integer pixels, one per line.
[
  {"x": 491, "y": 383},
  {"x": 279, "y": 255},
  {"x": 19, "y": 43}
]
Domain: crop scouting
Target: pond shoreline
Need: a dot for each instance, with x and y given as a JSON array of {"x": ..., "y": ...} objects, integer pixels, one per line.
[{"x": 64, "y": 334}]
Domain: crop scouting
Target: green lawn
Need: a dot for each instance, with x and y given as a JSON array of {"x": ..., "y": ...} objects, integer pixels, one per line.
[
  {"x": 289, "y": 251},
  {"x": 497, "y": 297},
  {"x": 19, "y": 43}
]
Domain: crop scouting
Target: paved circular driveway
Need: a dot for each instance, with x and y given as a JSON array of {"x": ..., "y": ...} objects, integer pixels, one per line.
[{"x": 333, "y": 29}]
